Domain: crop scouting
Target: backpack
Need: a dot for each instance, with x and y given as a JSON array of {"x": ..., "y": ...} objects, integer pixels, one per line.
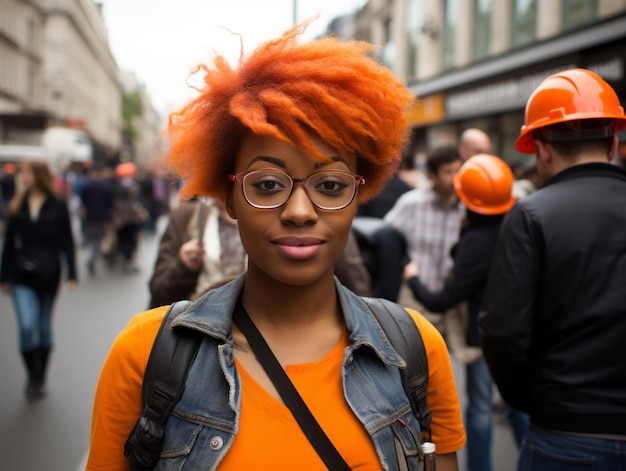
[{"x": 174, "y": 350}]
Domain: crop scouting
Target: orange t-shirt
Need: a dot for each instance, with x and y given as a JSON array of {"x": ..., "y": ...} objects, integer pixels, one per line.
[
  {"x": 266, "y": 427},
  {"x": 263, "y": 416}
]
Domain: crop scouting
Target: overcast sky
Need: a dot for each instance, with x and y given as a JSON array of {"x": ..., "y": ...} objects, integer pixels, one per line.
[{"x": 160, "y": 40}]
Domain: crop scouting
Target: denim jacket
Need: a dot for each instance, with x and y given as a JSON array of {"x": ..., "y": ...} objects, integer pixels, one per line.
[{"x": 204, "y": 423}]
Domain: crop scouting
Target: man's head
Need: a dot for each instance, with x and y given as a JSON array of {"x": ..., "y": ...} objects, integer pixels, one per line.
[
  {"x": 571, "y": 118},
  {"x": 294, "y": 92},
  {"x": 473, "y": 141},
  {"x": 443, "y": 163}
]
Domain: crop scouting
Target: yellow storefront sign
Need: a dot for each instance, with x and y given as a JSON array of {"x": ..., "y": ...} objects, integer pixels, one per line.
[{"x": 428, "y": 110}]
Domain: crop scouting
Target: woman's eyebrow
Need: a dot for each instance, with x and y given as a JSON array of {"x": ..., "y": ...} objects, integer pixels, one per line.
[
  {"x": 271, "y": 160},
  {"x": 334, "y": 158}
]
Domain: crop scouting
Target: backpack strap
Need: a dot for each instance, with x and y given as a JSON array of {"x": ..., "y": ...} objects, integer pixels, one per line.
[
  {"x": 163, "y": 385},
  {"x": 407, "y": 340}
]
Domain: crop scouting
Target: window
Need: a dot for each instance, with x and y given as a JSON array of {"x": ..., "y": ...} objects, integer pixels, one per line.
[
  {"x": 414, "y": 20},
  {"x": 388, "y": 57},
  {"x": 511, "y": 124},
  {"x": 523, "y": 22},
  {"x": 450, "y": 25},
  {"x": 30, "y": 83},
  {"x": 579, "y": 12},
  {"x": 31, "y": 46},
  {"x": 481, "y": 40}
]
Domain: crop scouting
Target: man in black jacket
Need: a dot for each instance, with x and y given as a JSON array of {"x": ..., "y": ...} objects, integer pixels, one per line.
[{"x": 553, "y": 324}]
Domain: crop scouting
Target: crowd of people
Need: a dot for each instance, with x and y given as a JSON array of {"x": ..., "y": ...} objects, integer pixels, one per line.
[{"x": 299, "y": 198}]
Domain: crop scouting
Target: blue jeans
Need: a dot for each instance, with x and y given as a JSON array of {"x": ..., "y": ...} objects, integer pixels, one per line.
[
  {"x": 520, "y": 422},
  {"x": 552, "y": 451},
  {"x": 479, "y": 417},
  {"x": 34, "y": 317}
]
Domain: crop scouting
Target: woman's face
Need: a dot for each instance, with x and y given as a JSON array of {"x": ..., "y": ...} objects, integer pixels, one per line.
[
  {"x": 296, "y": 243},
  {"x": 27, "y": 177}
]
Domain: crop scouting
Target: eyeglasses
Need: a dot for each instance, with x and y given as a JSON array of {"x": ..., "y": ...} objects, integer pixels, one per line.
[{"x": 269, "y": 189}]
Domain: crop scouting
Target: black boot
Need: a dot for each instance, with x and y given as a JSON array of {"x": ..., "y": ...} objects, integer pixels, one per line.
[
  {"x": 31, "y": 359},
  {"x": 41, "y": 364}
]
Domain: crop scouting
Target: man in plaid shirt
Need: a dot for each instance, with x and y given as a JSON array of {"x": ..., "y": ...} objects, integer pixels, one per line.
[{"x": 429, "y": 219}]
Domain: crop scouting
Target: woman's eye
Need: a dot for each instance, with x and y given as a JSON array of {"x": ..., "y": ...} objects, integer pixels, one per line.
[
  {"x": 269, "y": 184},
  {"x": 331, "y": 185}
]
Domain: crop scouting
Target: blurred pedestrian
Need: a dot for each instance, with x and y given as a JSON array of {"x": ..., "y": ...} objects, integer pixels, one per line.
[
  {"x": 484, "y": 185},
  {"x": 554, "y": 319},
  {"x": 7, "y": 188},
  {"x": 145, "y": 182},
  {"x": 473, "y": 141},
  {"x": 38, "y": 233},
  {"x": 429, "y": 221},
  {"x": 291, "y": 140},
  {"x": 96, "y": 198},
  {"x": 160, "y": 196},
  {"x": 528, "y": 180},
  {"x": 367, "y": 224},
  {"x": 128, "y": 214},
  {"x": 395, "y": 187},
  {"x": 199, "y": 247}
]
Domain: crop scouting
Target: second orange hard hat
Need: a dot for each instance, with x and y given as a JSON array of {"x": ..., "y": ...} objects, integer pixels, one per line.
[
  {"x": 569, "y": 95},
  {"x": 484, "y": 184}
]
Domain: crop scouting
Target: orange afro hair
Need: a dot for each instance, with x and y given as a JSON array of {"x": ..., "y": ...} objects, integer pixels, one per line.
[{"x": 288, "y": 90}]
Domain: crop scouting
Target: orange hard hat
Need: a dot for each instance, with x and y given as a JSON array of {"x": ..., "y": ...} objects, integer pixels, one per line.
[
  {"x": 126, "y": 169},
  {"x": 569, "y": 95},
  {"x": 8, "y": 168},
  {"x": 484, "y": 184}
]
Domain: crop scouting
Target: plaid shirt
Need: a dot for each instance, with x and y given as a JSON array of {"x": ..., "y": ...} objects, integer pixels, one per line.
[{"x": 430, "y": 231}]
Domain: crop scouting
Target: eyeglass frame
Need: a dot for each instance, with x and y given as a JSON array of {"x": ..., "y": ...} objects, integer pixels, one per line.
[{"x": 358, "y": 180}]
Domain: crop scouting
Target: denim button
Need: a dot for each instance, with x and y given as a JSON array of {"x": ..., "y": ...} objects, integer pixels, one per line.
[{"x": 216, "y": 443}]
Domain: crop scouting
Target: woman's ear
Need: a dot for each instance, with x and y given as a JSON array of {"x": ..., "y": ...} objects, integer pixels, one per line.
[{"x": 230, "y": 205}]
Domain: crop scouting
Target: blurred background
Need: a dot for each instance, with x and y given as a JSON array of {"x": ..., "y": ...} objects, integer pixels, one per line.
[
  {"x": 115, "y": 69},
  {"x": 85, "y": 83}
]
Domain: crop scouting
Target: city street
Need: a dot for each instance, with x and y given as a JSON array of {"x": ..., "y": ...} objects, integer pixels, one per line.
[{"x": 53, "y": 434}]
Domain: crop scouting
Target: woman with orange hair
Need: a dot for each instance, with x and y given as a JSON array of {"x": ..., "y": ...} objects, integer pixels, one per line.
[{"x": 291, "y": 140}]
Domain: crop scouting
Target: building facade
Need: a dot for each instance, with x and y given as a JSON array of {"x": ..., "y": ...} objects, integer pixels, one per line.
[
  {"x": 21, "y": 70},
  {"x": 474, "y": 63},
  {"x": 146, "y": 147},
  {"x": 56, "y": 69}
]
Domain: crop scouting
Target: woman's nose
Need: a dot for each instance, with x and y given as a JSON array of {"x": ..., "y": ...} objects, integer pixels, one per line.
[{"x": 299, "y": 208}]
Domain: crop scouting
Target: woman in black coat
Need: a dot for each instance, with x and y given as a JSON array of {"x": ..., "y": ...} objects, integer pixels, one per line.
[
  {"x": 38, "y": 233},
  {"x": 484, "y": 185}
]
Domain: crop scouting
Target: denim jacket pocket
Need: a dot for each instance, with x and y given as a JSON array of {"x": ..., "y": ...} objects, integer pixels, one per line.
[
  {"x": 180, "y": 437},
  {"x": 190, "y": 445}
]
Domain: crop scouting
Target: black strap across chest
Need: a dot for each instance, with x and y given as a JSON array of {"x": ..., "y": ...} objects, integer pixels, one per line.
[{"x": 292, "y": 399}]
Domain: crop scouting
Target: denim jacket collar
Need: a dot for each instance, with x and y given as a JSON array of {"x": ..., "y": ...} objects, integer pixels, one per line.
[{"x": 212, "y": 315}]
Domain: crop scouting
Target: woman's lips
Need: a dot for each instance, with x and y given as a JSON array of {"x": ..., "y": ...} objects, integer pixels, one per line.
[{"x": 298, "y": 248}]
